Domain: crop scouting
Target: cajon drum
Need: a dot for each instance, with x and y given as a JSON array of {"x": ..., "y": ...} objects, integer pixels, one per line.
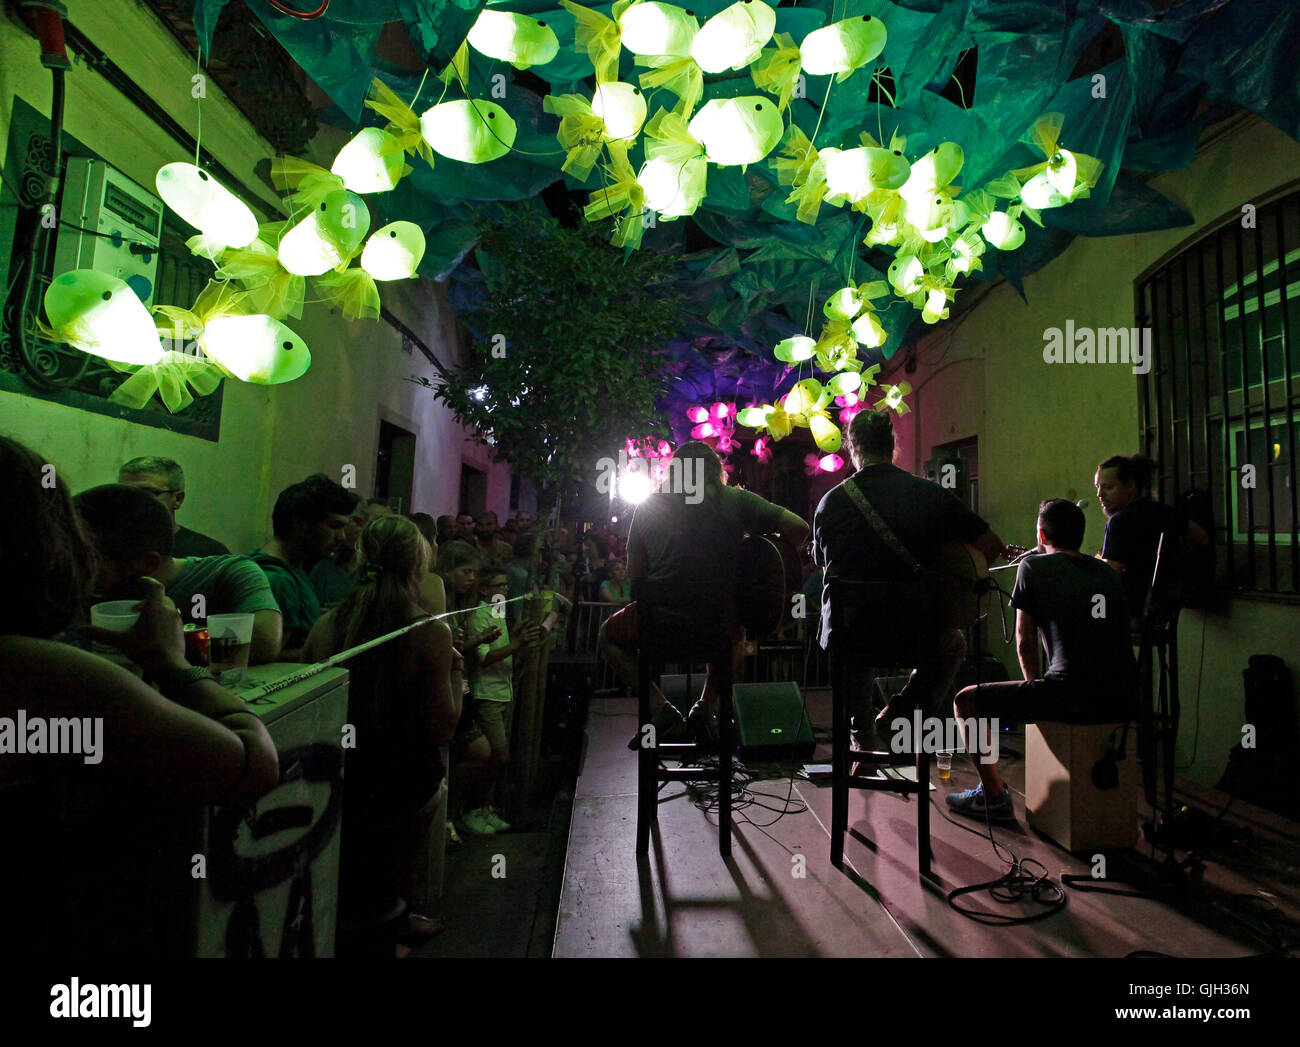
[{"x": 1060, "y": 799}]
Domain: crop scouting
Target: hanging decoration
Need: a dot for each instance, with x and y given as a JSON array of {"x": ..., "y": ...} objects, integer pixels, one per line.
[{"x": 915, "y": 204}]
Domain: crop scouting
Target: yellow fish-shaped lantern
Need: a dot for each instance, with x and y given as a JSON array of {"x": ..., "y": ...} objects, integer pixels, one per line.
[
  {"x": 795, "y": 349},
  {"x": 733, "y": 38},
  {"x": 256, "y": 349},
  {"x": 394, "y": 252},
  {"x": 622, "y": 109},
  {"x": 674, "y": 188},
  {"x": 854, "y": 173},
  {"x": 905, "y": 274},
  {"x": 470, "y": 130},
  {"x": 327, "y": 237},
  {"x": 373, "y": 162},
  {"x": 845, "y": 382},
  {"x": 844, "y": 304},
  {"x": 99, "y": 314},
  {"x": 652, "y": 28},
  {"x": 825, "y": 433},
  {"x": 518, "y": 39},
  {"x": 842, "y": 47},
  {"x": 1063, "y": 177},
  {"x": 216, "y": 212},
  {"x": 738, "y": 130},
  {"x": 1003, "y": 232},
  {"x": 928, "y": 190},
  {"x": 868, "y": 331}
]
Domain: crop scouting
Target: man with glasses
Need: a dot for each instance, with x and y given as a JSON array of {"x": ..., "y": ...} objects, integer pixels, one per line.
[{"x": 165, "y": 480}]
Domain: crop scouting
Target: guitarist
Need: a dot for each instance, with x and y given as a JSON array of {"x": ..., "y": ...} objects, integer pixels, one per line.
[
  {"x": 921, "y": 516},
  {"x": 689, "y": 534}
]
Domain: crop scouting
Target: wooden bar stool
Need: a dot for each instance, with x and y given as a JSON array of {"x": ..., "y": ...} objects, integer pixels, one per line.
[
  {"x": 863, "y": 636},
  {"x": 658, "y": 645}
]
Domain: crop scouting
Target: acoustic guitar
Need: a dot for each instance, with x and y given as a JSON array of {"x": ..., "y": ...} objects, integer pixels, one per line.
[{"x": 768, "y": 574}]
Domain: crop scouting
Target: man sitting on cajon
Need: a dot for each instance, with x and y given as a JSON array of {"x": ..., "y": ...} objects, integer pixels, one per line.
[{"x": 1078, "y": 605}]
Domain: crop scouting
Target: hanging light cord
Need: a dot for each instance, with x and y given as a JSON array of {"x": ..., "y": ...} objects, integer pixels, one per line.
[{"x": 304, "y": 15}]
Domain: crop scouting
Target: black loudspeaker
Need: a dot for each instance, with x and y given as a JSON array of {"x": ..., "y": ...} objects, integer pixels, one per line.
[{"x": 772, "y": 721}]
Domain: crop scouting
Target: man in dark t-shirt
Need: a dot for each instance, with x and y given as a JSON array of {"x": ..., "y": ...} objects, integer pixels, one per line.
[
  {"x": 1076, "y": 604},
  {"x": 688, "y": 539},
  {"x": 922, "y": 515},
  {"x": 165, "y": 480},
  {"x": 1134, "y": 526}
]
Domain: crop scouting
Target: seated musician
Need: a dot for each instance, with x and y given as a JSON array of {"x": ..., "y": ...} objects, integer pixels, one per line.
[
  {"x": 922, "y": 516},
  {"x": 1134, "y": 524},
  {"x": 690, "y": 535},
  {"x": 1078, "y": 606}
]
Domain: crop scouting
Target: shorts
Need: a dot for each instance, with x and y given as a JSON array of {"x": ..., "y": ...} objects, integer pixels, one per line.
[
  {"x": 465, "y": 736},
  {"x": 493, "y": 720},
  {"x": 1052, "y": 701},
  {"x": 623, "y": 628}
]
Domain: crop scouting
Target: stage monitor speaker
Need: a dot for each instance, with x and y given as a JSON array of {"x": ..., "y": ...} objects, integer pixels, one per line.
[{"x": 772, "y": 721}]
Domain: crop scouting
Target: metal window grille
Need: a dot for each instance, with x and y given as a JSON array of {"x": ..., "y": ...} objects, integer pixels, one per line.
[{"x": 1220, "y": 408}]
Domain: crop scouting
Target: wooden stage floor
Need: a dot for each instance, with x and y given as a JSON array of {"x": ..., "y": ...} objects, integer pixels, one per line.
[{"x": 683, "y": 900}]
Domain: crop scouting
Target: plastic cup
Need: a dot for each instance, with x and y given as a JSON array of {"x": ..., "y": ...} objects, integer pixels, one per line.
[
  {"x": 117, "y": 616},
  {"x": 943, "y": 759},
  {"x": 230, "y": 638}
]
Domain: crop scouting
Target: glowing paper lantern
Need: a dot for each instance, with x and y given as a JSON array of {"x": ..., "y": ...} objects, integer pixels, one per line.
[
  {"x": 842, "y": 47},
  {"x": 394, "y": 252},
  {"x": 704, "y": 431},
  {"x": 843, "y": 304},
  {"x": 373, "y": 162},
  {"x": 674, "y": 188},
  {"x": 101, "y": 315},
  {"x": 845, "y": 383},
  {"x": 622, "y": 108},
  {"x": 738, "y": 130},
  {"x": 905, "y": 274},
  {"x": 513, "y": 38},
  {"x": 697, "y": 414},
  {"x": 853, "y": 173},
  {"x": 936, "y": 307},
  {"x": 255, "y": 349},
  {"x": 868, "y": 330},
  {"x": 1041, "y": 191},
  {"x": 327, "y": 237},
  {"x": 720, "y": 412},
  {"x": 804, "y": 398},
  {"x": 733, "y": 38},
  {"x": 1003, "y": 231},
  {"x": 753, "y": 416},
  {"x": 653, "y": 28},
  {"x": 825, "y": 433},
  {"x": 831, "y": 463},
  {"x": 207, "y": 205},
  {"x": 470, "y": 130},
  {"x": 796, "y": 349}
]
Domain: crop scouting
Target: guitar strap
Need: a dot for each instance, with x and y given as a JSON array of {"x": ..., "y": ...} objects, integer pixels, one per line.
[{"x": 880, "y": 527}]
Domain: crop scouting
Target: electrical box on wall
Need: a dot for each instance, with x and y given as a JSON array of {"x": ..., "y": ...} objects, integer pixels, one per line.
[{"x": 128, "y": 219}]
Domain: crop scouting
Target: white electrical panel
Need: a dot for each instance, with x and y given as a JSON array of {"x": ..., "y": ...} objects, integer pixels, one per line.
[{"x": 98, "y": 197}]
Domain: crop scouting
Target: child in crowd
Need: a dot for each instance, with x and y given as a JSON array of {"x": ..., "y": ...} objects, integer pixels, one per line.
[
  {"x": 617, "y": 589},
  {"x": 471, "y": 753},
  {"x": 493, "y": 692}
]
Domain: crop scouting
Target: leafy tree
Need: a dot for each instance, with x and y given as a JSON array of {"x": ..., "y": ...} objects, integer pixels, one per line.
[{"x": 569, "y": 350}]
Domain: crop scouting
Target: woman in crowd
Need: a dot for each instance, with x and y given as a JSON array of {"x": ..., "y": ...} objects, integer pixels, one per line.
[
  {"x": 617, "y": 589},
  {"x": 404, "y": 701},
  {"x": 471, "y": 754},
  {"x": 595, "y": 553},
  {"x": 148, "y": 755}
]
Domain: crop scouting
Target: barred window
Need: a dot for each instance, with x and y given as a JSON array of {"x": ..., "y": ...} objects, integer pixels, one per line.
[{"x": 1220, "y": 409}]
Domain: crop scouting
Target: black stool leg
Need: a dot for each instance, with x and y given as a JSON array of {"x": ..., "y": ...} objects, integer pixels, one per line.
[
  {"x": 726, "y": 743},
  {"x": 839, "y": 761},
  {"x": 923, "y": 811},
  {"x": 646, "y": 759}
]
